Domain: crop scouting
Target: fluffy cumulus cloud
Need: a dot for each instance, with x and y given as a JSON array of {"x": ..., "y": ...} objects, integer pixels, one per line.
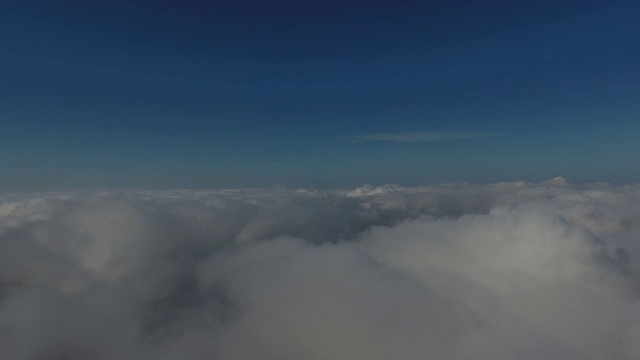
[{"x": 502, "y": 271}]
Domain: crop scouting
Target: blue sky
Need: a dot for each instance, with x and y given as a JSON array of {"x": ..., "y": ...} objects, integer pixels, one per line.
[{"x": 162, "y": 94}]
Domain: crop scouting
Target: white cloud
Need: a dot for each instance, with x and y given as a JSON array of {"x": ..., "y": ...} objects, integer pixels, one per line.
[
  {"x": 425, "y": 137},
  {"x": 509, "y": 270}
]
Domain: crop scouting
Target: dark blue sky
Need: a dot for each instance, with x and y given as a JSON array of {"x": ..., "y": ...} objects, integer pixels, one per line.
[{"x": 139, "y": 94}]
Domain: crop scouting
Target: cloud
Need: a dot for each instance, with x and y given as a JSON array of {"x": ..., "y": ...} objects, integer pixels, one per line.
[
  {"x": 507, "y": 270},
  {"x": 425, "y": 137}
]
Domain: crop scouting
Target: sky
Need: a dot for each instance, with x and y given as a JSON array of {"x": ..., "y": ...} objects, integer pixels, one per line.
[{"x": 189, "y": 94}]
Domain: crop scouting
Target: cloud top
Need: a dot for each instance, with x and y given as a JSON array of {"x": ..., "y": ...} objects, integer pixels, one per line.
[{"x": 507, "y": 270}]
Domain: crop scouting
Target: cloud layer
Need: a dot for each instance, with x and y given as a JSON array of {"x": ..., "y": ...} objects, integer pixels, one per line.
[{"x": 509, "y": 270}]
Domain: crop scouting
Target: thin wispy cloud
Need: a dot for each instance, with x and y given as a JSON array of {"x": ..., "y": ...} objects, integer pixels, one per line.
[{"x": 425, "y": 137}]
